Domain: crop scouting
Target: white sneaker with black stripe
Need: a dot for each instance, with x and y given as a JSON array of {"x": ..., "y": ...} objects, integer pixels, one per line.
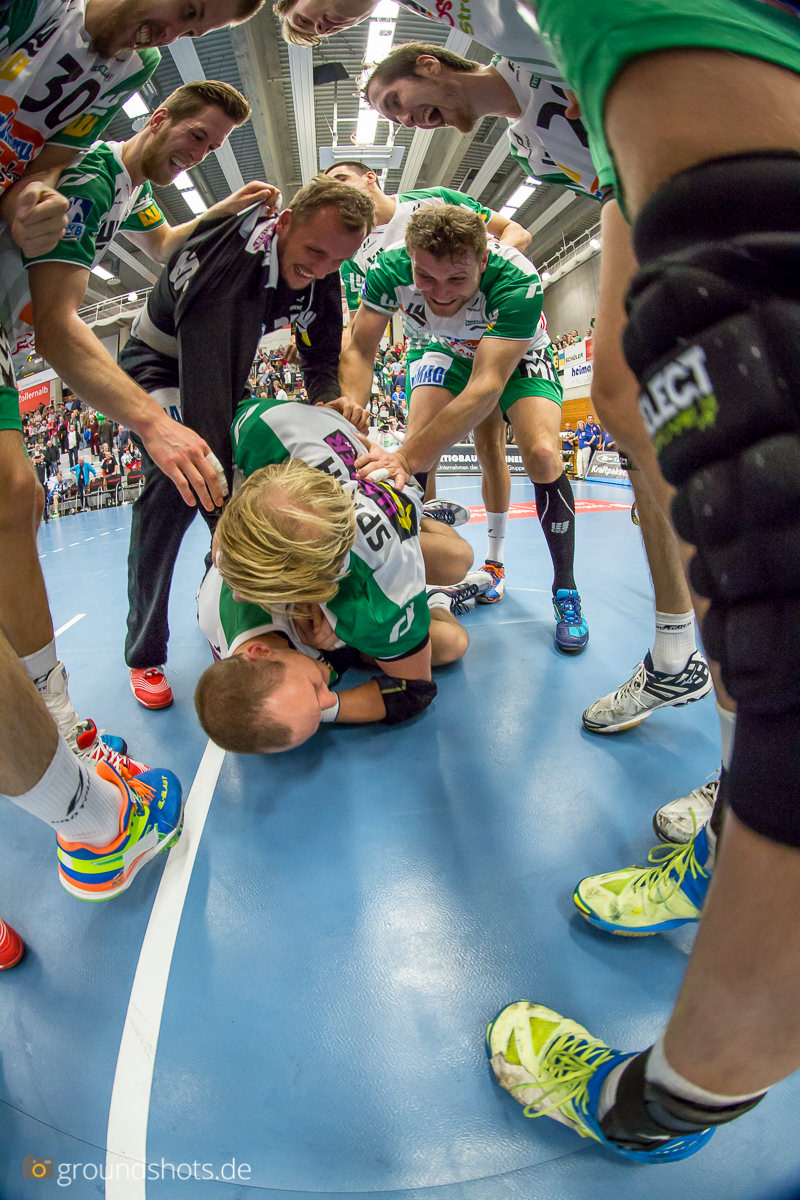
[
  {"x": 456, "y": 596},
  {"x": 646, "y": 692}
]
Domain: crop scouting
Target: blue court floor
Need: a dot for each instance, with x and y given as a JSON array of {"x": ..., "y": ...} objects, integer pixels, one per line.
[{"x": 294, "y": 1003}]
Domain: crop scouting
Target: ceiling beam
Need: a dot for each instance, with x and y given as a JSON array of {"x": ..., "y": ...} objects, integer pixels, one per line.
[
  {"x": 552, "y": 211},
  {"x": 132, "y": 262},
  {"x": 305, "y": 120},
  {"x": 257, "y": 52},
  {"x": 494, "y": 160},
  {"x": 191, "y": 70}
]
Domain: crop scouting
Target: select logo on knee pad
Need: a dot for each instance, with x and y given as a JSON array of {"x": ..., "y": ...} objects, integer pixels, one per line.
[{"x": 679, "y": 397}]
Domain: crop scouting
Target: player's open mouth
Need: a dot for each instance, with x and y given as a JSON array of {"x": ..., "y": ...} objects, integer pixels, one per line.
[
  {"x": 147, "y": 35},
  {"x": 303, "y": 273},
  {"x": 431, "y": 117}
]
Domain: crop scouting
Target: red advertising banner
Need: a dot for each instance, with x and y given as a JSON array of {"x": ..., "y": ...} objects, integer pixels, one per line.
[{"x": 30, "y": 398}]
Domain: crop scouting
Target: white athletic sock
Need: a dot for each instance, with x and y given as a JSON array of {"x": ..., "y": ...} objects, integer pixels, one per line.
[
  {"x": 39, "y": 664},
  {"x": 438, "y": 600},
  {"x": 675, "y": 641},
  {"x": 727, "y": 729},
  {"x": 73, "y": 799},
  {"x": 496, "y": 530},
  {"x": 659, "y": 1071}
]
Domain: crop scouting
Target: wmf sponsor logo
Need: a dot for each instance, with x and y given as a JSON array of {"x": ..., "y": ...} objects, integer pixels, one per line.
[{"x": 37, "y": 1168}]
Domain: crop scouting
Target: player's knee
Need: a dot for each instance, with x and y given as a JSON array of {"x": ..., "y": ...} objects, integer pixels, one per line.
[
  {"x": 449, "y": 639},
  {"x": 23, "y": 495},
  {"x": 542, "y": 458},
  {"x": 713, "y": 335}
]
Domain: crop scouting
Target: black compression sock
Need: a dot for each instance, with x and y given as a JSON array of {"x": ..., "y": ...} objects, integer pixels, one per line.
[{"x": 555, "y": 505}]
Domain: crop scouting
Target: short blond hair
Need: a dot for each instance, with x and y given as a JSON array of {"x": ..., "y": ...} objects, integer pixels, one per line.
[
  {"x": 446, "y": 231},
  {"x": 286, "y": 535},
  {"x": 354, "y": 208},
  {"x": 230, "y": 701}
]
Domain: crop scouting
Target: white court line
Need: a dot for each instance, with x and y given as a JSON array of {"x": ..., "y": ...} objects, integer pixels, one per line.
[
  {"x": 90, "y": 539},
  {"x": 58, "y": 551},
  {"x": 74, "y": 544},
  {"x": 126, "y": 1137},
  {"x": 69, "y": 624},
  {"x": 105, "y": 533},
  {"x": 118, "y": 527}
]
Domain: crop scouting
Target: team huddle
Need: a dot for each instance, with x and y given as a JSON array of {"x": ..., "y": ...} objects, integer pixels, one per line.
[{"x": 328, "y": 552}]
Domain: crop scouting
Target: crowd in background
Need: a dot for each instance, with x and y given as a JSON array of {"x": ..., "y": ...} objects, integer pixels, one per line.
[{"x": 69, "y": 446}]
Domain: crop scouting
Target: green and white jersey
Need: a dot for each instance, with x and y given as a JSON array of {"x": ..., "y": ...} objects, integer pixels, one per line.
[
  {"x": 381, "y": 606},
  {"x": 499, "y": 25},
  {"x": 507, "y": 304},
  {"x": 102, "y": 200},
  {"x": 543, "y": 141},
  {"x": 54, "y": 87},
  {"x": 227, "y": 623},
  {"x": 406, "y": 204}
]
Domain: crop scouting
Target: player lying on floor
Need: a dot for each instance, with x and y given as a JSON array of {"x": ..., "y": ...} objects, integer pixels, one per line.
[{"x": 320, "y": 569}]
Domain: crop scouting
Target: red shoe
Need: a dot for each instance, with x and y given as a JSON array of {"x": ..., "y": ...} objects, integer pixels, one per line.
[
  {"x": 150, "y": 687},
  {"x": 11, "y": 946}
]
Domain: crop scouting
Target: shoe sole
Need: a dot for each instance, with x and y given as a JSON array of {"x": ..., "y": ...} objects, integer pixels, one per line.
[
  {"x": 647, "y": 931},
  {"x": 94, "y": 897},
  {"x": 620, "y": 728},
  {"x": 6, "y": 966},
  {"x": 487, "y": 600},
  {"x": 570, "y": 649}
]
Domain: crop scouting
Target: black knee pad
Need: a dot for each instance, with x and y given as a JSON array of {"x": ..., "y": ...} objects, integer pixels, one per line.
[{"x": 714, "y": 339}]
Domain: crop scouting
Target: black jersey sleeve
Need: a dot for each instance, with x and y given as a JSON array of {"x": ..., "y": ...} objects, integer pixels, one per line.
[{"x": 319, "y": 341}]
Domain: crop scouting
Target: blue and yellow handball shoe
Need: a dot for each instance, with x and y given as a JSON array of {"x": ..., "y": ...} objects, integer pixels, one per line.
[
  {"x": 572, "y": 631},
  {"x": 151, "y": 821},
  {"x": 556, "y": 1068},
  {"x": 637, "y": 901}
]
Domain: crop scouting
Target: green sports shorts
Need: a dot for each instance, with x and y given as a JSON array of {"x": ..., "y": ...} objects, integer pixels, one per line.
[
  {"x": 592, "y": 40},
  {"x": 435, "y": 366},
  {"x": 9, "y": 409}
]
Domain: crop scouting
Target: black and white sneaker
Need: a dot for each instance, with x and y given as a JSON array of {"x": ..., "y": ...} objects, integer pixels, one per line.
[
  {"x": 446, "y": 511},
  {"x": 680, "y": 820},
  {"x": 456, "y": 596},
  {"x": 646, "y": 692}
]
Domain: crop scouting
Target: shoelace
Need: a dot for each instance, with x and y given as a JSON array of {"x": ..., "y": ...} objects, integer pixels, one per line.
[
  {"x": 569, "y": 610},
  {"x": 143, "y": 793},
  {"x": 571, "y": 1062},
  {"x": 666, "y": 859},
  {"x": 633, "y": 685}
]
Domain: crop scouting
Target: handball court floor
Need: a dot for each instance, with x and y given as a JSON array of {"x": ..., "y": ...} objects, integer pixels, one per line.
[{"x": 294, "y": 1003}]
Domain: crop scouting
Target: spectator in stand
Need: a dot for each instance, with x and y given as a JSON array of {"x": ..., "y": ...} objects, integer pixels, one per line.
[
  {"x": 57, "y": 487},
  {"x": 84, "y": 472},
  {"x": 607, "y": 441},
  {"x": 106, "y": 432},
  {"x": 584, "y": 438},
  {"x": 93, "y": 429},
  {"x": 74, "y": 434},
  {"x": 108, "y": 462},
  {"x": 597, "y": 433},
  {"x": 40, "y": 467},
  {"x": 52, "y": 457},
  {"x": 280, "y": 392},
  {"x": 568, "y": 439}
]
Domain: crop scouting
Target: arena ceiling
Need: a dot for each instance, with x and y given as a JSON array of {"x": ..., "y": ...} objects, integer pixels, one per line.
[{"x": 298, "y": 116}]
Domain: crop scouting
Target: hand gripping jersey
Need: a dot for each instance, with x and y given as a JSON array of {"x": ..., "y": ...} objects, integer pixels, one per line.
[
  {"x": 406, "y": 204},
  {"x": 508, "y": 303},
  {"x": 543, "y": 141},
  {"x": 53, "y": 87},
  {"x": 103, "y": 200},
  {"x": 381, "y": 606}
]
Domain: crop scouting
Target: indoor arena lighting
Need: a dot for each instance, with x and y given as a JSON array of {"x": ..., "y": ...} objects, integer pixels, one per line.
[
  {"x": 366, "y": 125},
  {"x": 380, "y": 32},
  {"x": 102, "y": 273},
  {"x": 183, "y": 181},
  {"x": 595, "y": 243},
  {"x": 136, "y": 107},
  {"x": 195, "y": 201}
]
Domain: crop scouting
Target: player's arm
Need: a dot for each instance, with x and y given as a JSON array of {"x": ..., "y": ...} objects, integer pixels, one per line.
[
  {"x": 356, "y": 365},
  {"x": 509, "y": 233},
  {"x": 57, "y": 291},
  {"x": 32, "y": 208},
  {"x": 402, "y": 690},
  {"x": 160, "y": 243},
  {"x": 494, "y": 361}
]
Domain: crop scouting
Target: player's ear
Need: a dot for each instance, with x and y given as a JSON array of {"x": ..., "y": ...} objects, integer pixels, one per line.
[{"x": 257, "y": 649}]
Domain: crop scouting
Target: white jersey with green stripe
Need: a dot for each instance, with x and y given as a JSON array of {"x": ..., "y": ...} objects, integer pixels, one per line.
[
  {"x": 499, "y": 25},
  {"x": 381, "y": 606},
  {"x": 53, "y": 86},
  {"x": 228, "y": 623},
  {"x": 102, "y": 200},
  {"x": 406, "y": 204},
  {"x": 507, "y": 304},
  {"x": 542, "y": 139}
]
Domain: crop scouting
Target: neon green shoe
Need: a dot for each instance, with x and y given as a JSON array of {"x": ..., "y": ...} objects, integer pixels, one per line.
[
  {"x": 637, "y": 901},
  {"x": 556, "y": 1068}
]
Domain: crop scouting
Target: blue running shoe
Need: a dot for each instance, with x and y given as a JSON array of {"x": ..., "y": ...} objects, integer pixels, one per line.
[
  {"x": 151, "y": 820},
  {"x": 641, "y": 900},
  {"x": 572, "y": 632},
  {"x": 556, "y": 1068}
]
